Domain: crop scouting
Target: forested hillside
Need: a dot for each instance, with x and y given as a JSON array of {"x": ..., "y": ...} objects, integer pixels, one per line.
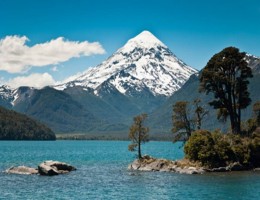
[{"x": 16, "y": 126}]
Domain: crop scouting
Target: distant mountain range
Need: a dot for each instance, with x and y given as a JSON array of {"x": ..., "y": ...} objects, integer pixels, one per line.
[
  {"x": 142, "y": 76},
  {"x": 137, "y": 78}
]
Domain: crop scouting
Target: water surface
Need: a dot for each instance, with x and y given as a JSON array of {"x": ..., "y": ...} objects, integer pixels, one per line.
[{"x": 102, "y": 174}]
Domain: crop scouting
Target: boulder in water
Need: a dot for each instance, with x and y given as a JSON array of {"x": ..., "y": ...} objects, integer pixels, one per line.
[
  {"x": 22, "y": 170},
  {"x": 50, "y": 168}
]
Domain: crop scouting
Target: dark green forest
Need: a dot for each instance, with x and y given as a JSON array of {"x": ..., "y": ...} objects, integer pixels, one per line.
[{"x": 16, "y": 126}]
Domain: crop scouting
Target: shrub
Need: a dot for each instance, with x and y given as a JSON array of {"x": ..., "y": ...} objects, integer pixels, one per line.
[
  {"x": 222, "y": 148},
  {"x": 240, "y": 148},
  {"x": 200, "y": 147},
  {"x": 255, "y": 148},
  {"x": 217, "y": 149}
]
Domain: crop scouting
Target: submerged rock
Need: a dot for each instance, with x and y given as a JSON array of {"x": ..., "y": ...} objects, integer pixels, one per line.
[
  {"x": 50, "y": 168},
  {"x": 22, "y": 170}
]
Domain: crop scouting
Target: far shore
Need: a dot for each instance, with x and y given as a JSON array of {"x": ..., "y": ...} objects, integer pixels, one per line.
[{"x": 116, "y": 136}]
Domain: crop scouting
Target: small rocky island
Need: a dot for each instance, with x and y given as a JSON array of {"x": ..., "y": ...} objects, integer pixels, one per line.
[
  {"x": 147, "y": 163},
  {"x": 184, "y": 166},
  {"x": 46, "y": 168}
]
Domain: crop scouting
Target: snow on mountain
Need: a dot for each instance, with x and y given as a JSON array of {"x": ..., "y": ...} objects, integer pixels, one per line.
[
  {"x": 143, "y": 62},
  {"x": 8, "y": 94},
  {"x": 12, "y": 96},
  {"x": 253, "y": 62}
]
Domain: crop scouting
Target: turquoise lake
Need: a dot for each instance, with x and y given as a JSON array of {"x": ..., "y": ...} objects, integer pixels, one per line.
[{"x": 102, "y": 174}]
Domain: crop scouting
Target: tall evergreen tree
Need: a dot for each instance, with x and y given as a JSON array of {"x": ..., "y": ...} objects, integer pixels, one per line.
[
  {"x": 138, "y": 133},
  {"x": 226, "y": 76}
]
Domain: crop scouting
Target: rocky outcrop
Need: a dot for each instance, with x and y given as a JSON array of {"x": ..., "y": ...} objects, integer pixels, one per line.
[
  {"x": 21, "y": 170},
  {"x": 148, "y": 163},
  {"x": 50, "y": 168},
  {"x": 47, "y": 168}
]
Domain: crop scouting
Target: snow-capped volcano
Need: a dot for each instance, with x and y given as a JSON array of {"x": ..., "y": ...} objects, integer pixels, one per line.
[{"x": 144, "y": 62}]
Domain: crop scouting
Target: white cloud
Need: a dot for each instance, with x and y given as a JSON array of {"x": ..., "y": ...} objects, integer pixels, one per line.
[
  {"x": 33, "y": 80},
  {"x": 17, "y": 57}
]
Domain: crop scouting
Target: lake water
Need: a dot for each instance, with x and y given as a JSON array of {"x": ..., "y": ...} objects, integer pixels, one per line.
[{"x": 102, "y": 174}]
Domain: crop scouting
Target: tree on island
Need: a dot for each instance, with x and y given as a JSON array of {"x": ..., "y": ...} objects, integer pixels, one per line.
[
  {"x": 226, "y": 76},
  {"x": 200, "y": 113},
  {"x": 138, "y": 134},
  {"x": 183, "y": 124}
]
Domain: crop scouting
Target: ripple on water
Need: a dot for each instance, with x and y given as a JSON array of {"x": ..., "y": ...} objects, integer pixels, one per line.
[{"x": 102, "y": 174}]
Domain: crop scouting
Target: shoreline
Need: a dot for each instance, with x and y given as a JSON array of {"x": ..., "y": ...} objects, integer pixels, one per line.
[{"x": 183, "y": 166}]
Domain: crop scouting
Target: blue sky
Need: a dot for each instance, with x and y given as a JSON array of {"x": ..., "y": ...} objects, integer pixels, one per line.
[{"x": 193, "y": 30}]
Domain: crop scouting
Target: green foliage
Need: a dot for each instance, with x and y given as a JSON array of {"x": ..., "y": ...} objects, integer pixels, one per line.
[
  {"x": 222, "y": 148},
  {"x": 200, "y": 147},
  {"x": 255, "y": 148},
  {"x": 216, "y": 149},
  {"x": 15, "y": 126},
  {"x": 132, "y": 147},
  {"x": 226, "y": 76},
  {"x": 138, "y": 134},
  {"x": 248, "y": 127},
  {"x": 240, "y": 148}
]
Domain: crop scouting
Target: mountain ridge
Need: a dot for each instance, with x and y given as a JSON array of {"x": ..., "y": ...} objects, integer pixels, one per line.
[{"x": 143, "y": 76}]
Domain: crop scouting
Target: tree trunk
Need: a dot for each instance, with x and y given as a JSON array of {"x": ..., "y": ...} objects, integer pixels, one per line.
[
  {"x": 139, "y": 146},
  {"x": 239, "y": 120},
  {"x": 198, "y": 121},
  {"x": 139, "y": 150}
]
